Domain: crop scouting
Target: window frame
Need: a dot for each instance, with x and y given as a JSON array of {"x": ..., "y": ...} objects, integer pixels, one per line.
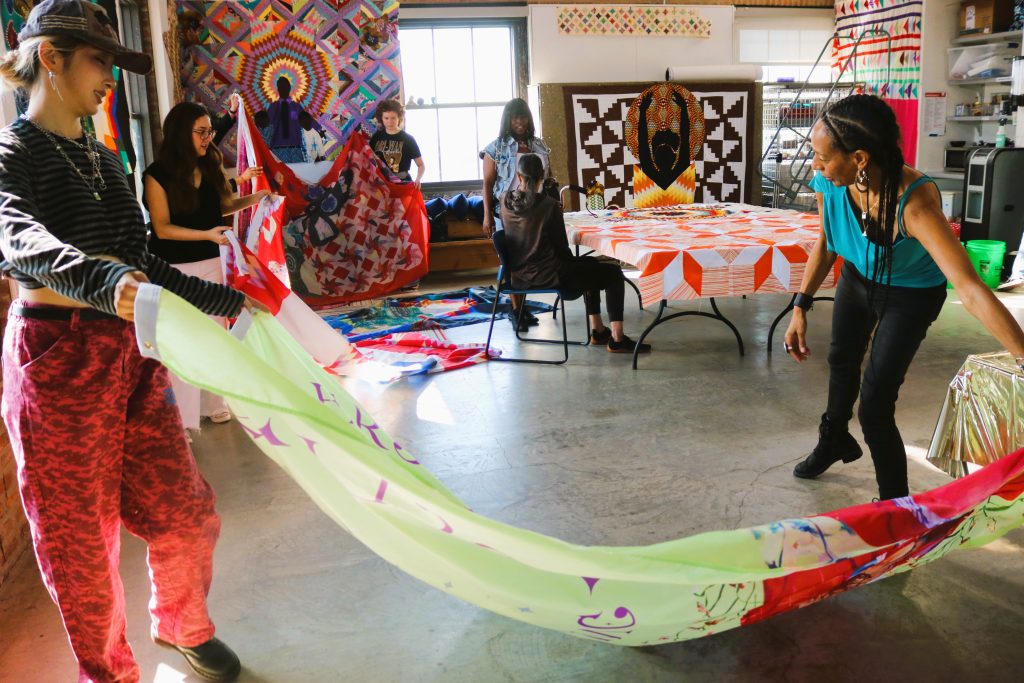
[
  {"x": 520, "y": 77},
  {"x": 130, "y": 17}
]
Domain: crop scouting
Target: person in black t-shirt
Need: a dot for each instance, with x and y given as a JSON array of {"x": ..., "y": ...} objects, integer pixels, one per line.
[
  {"x": 188, "y": 196},
  {"x": 396, "y": 148}
]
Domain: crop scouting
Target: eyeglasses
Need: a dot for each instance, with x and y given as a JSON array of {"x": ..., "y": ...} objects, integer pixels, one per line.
[{"x": 204, "y": 133}]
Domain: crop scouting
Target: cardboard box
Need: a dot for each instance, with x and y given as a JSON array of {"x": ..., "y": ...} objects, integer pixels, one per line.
[{"x": 985, "y": 16}]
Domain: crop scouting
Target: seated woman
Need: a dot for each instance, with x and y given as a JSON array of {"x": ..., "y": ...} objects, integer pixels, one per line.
[{"x": 540, "y": 257}]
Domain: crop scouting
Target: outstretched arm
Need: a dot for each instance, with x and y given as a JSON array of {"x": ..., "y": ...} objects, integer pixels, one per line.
[{"x": 926, "y": 223}]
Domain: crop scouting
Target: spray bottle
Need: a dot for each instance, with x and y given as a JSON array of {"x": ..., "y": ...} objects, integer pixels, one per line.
[{"x": 1001, "y": 134}]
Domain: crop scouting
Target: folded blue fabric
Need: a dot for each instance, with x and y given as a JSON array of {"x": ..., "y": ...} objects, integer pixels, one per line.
[
  {"x": 476, "y": 208},
  {"x": 435, "y": 207},
  {"x": 458, "y": 205}
]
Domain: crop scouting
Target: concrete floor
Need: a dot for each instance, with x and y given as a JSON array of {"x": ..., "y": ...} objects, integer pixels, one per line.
[{"x": 592, "y": 452}]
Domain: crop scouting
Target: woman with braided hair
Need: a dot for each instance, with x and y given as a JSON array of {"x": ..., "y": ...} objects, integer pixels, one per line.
[{"x": 885, "y": 219}]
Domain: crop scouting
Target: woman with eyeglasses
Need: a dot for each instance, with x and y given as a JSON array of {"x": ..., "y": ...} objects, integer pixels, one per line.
[
  {"x": 885, "y": 219},
  {"x": 188, "y": 196}
]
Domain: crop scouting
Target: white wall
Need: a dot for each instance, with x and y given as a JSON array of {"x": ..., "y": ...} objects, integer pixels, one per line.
[
  {"x": 941, "y": 21},
  {"x": 557, "y": 58}
]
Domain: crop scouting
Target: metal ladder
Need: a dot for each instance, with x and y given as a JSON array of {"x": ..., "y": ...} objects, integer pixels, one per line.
[{"x": 785, "y": 192}]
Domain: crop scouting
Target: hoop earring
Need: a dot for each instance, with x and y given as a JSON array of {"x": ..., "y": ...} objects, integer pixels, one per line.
[
  {"x": 53, "y": 85},
  {"x": 861, "y": 181}
]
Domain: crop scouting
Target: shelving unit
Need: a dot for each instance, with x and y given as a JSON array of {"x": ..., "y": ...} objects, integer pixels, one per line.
[
  {"x": 975, "y": 119},
  {"x": 977, "y": 39},
  {"x": 995, "y": 46},
  {"x": 962, "y": 90},
  {"x": 981, "y": 81}
]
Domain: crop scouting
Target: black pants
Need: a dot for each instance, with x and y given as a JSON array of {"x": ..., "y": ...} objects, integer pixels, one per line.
[
  {"x": 898, "y": 332},
  {"x": 588, "y": 275}
]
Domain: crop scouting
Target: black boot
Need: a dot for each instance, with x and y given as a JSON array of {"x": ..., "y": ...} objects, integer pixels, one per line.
[
  {"x": 833, "y": 445},
  {"x": 213, "y": 660}
]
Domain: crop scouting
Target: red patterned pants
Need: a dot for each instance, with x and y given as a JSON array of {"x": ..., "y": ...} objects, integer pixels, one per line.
[{"x": 98, "y": 443}]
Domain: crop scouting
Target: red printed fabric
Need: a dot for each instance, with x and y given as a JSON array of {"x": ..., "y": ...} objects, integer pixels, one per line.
[
  {"x": 98, "y": 443},
  {"x": 355, "y": 235}
]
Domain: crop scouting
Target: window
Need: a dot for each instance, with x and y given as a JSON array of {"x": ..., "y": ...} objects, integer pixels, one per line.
[
  {"x": 457, "y": 77},
  {"x": 786, "y": 43}
]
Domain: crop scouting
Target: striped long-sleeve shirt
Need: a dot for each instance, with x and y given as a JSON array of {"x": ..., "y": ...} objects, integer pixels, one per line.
[{"x": 54, "y": 233}]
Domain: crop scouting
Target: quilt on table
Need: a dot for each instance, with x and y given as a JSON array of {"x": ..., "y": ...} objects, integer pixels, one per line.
[{"x": 703, "y": 250}]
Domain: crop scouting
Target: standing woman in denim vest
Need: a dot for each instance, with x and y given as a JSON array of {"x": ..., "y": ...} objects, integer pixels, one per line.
[
  {"x": 93, "y": 428},
  {"x": 885, "y": 219},
  {"x": 517, "y": 136}
]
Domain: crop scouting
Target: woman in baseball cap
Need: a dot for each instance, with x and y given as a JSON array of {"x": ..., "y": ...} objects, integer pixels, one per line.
[{"x": 97, "y": 439}]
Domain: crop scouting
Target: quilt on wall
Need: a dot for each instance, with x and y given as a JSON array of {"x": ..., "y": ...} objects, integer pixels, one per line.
[
  {"x": 596, "y": 137},
  {"x": 893, "y": 73},
  {"x": 340, "y": 57}
]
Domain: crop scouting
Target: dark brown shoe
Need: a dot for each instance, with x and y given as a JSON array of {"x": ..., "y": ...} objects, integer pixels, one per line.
[
  {"x": 212, "y": 660},
  {"x": 600, "y": 338}
]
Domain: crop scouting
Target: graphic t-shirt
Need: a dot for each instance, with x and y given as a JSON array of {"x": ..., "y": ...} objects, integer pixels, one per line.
[{"x": 396, "y": 151}]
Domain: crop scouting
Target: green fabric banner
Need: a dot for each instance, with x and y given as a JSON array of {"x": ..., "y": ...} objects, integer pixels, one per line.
[{"x": 373, "y": 487}]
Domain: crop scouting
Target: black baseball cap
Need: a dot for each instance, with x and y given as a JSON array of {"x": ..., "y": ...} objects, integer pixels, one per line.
[{"x": 87, "y": 22}]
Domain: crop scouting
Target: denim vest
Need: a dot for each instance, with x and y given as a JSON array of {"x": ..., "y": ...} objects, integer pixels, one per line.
[{"x": 504, "y": 151}]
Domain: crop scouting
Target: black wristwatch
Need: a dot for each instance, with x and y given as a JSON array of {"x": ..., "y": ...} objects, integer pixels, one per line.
[{"x": 804, "y": 301}]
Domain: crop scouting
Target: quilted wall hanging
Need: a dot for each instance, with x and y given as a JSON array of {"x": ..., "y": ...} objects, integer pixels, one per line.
[
  {"x": 665, "y": 131},
  {"x": 596, "y": 117},
  {"x": 901, "y": 19},
  {"x": 631, "y": 20},
  {"x": 339, "y": 57}
]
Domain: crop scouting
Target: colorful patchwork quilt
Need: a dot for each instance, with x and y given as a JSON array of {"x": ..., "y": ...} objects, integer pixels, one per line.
[
  {"x": 353, "y": 236},
  {"x": 428, "y": 312}
]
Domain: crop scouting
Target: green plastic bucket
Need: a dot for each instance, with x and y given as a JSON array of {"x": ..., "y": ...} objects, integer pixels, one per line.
[{"x": 987, "y": 258}]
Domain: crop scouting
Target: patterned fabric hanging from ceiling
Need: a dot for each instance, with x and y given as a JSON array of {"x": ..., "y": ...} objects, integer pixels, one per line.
[
  {"x": 340, "y": 57},
  {"x": 890, "y": 70}
]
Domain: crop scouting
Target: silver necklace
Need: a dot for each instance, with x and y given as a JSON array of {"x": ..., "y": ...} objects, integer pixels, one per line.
[
  {"x": 95, "y": 181},
  {"x": 865, "y": 211}
]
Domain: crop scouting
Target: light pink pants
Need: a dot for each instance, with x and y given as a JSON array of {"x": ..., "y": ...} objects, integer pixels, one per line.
[{"x": 193, "y": 403}]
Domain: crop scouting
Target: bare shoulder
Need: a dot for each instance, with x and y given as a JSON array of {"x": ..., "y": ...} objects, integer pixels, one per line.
[{"x": 924, "y": 198}]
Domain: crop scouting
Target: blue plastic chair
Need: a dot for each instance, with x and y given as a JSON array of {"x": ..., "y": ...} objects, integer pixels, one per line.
[{"x": 504, "y": 286}]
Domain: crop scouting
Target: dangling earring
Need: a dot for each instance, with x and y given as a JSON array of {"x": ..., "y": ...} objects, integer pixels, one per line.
[
  {"x": 862, "y": 180},
  {"x": 53, "y": 84}
]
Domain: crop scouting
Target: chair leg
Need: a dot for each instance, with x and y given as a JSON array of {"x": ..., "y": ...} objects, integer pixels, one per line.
[
  {"x": 565, "y": 331},
  {"x": 554, "y": 309},
  {"x": 490, "y": 328}
]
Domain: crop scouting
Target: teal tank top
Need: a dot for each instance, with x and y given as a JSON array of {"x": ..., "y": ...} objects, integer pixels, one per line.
[{"x": 912, "y": 266}]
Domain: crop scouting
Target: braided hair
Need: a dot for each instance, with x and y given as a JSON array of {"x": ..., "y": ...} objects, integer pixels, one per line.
[{"x": 865, "y": 122}]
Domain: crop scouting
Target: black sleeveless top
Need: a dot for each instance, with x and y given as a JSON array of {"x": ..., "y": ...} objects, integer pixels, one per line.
[{"x": 207, "y": 214}]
